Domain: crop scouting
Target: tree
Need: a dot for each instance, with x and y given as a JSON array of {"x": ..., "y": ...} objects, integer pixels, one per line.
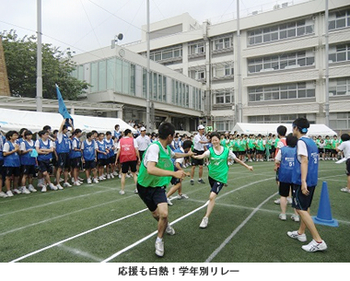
[{"x": 21, "y": 60}]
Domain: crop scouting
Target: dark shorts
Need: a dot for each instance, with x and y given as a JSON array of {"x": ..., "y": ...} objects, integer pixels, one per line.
[
  {"x": 111, "y": 160},
  {"x": 141, "y": 154},
  {"x": 175, "y": 181},
  {"x": 216, "y": 186},
  {"x": 320, "y": 150},
  {"x": 45, "y": 166},
  {"x": 284, "y": 188},
  {"x": 102, "y": 162},
  {"x": 90, "y": 164},
  {"x": 130, "y": 164},
  {"x": 347, "y": 167},
  {"x": 12, "y": 171},
  {"x": 260, "y": 152},
  {"x": 197, "y": 162},
  {"x": 301, "y": 201},
  {"x": 250, "y": 151},
  {"x": 152, "y": 196},
  {"x": 28, "y": 169},
  {"x": 63, "y": 160},
  {"x": 76, "y": 162}
]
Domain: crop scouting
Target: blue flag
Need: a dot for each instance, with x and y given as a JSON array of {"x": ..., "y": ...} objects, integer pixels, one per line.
[{"x": 62, "y": 109}]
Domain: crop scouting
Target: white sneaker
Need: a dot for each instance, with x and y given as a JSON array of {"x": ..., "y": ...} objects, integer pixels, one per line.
[
  {"x": 182, "y": 196},
  {"x": 277, "y": 201},
  {"x": 115, "y": 174},
  {"x": 111, "y": 175},
  {"x": 9, "y": 193},
  {"x": 66, "y": 184},
  {"x": 59, "y": 187},
  {"x": 204, "y": 222},
  {"x": 80, "y": 179},
  {"x": 282, "y": 217},
  {"x": 89, "y": 181},
  {"x": 95, "y": 180},
  {"x": 108, "y": 176},
  {"x": 53, "y": 187},
  {"x": 15, "y": 190},
  {"x": 3, "y": 194},
  {"x": 296, "y": 235},
  {"x": 295, "y": 217},
  {"x": 128, "y": 176},
  {"x": 159, "y": 245},
  {"x": 314, "y": 246},
  {"x": 77, "y": 183},
  {"x": 100, "y": 178},
  {"x": 345, "y": 189},
  {"x": 120, "y": 176},
  {"x": 289, "y": 200},
  {"x": 169, "y": 230},
  {"x": 43, "y": 189},
  {"x": 24, "y": 190},
  {"x": 31, "y": 188},
  {"x": 121, "y": 192},
  {"x": 169, "y": 202}
]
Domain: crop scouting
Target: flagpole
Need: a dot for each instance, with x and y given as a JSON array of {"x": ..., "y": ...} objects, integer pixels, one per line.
[
  {"x": 39, "y": 80},
  {"x": 148, "y": 107}
]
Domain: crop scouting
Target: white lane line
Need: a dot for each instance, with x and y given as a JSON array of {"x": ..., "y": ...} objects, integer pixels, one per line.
[
  {"x": 81, "y": 253},
  {"x": 76, "y": 236},
  {"x": 177, "y": 220},
  {"x": 228, "y": 239},
  {"x": 150, "y": 235}
]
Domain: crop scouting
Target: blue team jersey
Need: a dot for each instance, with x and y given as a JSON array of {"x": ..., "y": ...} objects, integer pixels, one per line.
[
  {"x": 312, "y": 173},
  {"x": 74, "y": 153},
  {"x": 101, "y": 147},
  {"x": 2, "y": 141},
  {"x": 287, "y": 164},
  {"x": 64, "y": 145},
  {"x": 89, "y": 151},
  {"x": 109, "y": 145},
  {"x": 12, "y": 160},
  {"x": 26, "y": 159},
  {"x": 42, "y": 145}
]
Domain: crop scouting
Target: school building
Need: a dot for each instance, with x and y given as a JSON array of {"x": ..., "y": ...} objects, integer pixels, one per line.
[{"x": 194, "y": 69}]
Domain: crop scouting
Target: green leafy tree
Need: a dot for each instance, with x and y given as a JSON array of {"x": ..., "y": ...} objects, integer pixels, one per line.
[{"x": 21, "y": 60}]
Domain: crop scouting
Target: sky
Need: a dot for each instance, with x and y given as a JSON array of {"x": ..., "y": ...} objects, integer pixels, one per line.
[{"x": 85, "y": 25}]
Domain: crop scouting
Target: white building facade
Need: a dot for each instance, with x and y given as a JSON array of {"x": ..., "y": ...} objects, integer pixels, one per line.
[{"x": 282, "y": 67}]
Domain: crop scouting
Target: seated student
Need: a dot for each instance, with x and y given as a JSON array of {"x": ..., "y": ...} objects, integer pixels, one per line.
[
  {"x": 284, "y": 163},
  {"x": 44, "y": 147},
  {"x": 89, "y": 147},
  {"x": 28, "y": 163},
  {"x": 101, "y": 156},
  {"x": 75, "y": 156},
  {"x": 11, "y": 162}
]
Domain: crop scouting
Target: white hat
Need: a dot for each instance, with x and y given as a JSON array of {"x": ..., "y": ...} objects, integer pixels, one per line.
[
  {"x": 200, "y": 127},
  {"x": 142, "y": 129}
]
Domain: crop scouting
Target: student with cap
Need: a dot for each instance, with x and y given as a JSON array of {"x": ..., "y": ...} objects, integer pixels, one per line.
[
  {"x": 199, "y": 142},
  {"x": 304, "y": 179}
]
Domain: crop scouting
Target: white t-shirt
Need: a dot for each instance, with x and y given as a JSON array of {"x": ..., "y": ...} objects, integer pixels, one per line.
[
  {"x": 197, "y": 145},
  {"x": 89, "y": 143},
  {"x": 37, "y": 143},
  {"x": 231, "y": 155},
  {"x": 22, "y": 147},
  {"x": 301, "y": 149},
  {"x": 345, "y": 147},
  {"x": 152, "y": 154},
  {"x": 143, "y": 142},
  {"x": 7, "y": 147},
  {"x": 280, "y": 144}
]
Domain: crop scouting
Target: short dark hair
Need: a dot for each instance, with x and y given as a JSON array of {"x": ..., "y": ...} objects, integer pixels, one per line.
[
  {"x": 126, "y": 132},
  {"x": 117, "y": 125},
  {"x": 345, "y": 137},
  {"x": 166, "y": 129},
  {"x": 215, "y": 134},
  {"x": 187, "y": 144},
  {"x": 302, "y": 124},
  {"x": 291, "y": 140},
  {"x": 77, "y": 131},
  {"x": 282, "y": 130},
  {"x": 10, "y": 134},
  {"x": 46, "y": 128},
  {"x": 43, "y": 132},
  {"x": 108, "y": 133},
  {"x": 28, "y": 133},
  {"x": 89, "y": 135}
]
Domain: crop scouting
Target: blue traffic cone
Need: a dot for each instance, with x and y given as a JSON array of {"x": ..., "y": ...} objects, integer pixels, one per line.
[{"x": 324, "y": 213}]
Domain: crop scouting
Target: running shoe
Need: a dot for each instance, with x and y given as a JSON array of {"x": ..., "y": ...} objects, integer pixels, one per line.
[
  {"x": 169, "y": 230},
  {"x": 204, "y": 223},
  {"x": 314, "y": 246},
  {"x": 159, "y": 245},
  {"x": 296, "y": 235}
]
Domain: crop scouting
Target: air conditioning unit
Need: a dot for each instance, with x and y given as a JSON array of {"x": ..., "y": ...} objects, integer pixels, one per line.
[
  {"x": 276, "y": 7},
  {"x": 255, "y": 13},
  {"x": 285, "y": 5}
]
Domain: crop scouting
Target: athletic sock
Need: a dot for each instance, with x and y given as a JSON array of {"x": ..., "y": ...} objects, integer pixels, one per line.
[{"x": 159, "y": 239}]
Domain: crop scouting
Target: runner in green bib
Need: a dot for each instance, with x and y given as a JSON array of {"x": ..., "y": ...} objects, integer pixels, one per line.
[
  {"x": 156, "y": 171},
  {"x": 217, "y": 171}
]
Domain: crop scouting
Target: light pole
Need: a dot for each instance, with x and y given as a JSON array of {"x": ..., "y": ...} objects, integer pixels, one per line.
[{"x": 39, "y": 80}]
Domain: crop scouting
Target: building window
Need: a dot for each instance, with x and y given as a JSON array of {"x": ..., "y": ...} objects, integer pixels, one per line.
[
  {"x": 221, "y": 44},
  {"x": 281, "y": 61},
  {"x": 339, "y": 53},
  {"x": 196, "y": 48},
  {"x": 282, "y": 92},
  {"x": 281, "y": 31},
  {"x": 288, "y": 118},
  {"x": 197, "y": 74},
  {"x": 224, "y": 96},
  {"x": 339, "y": 87},
  {"x": 339, "y": 120},
  {"x": 339, "y": 19},
  {"x": 167, "y": 54}
]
